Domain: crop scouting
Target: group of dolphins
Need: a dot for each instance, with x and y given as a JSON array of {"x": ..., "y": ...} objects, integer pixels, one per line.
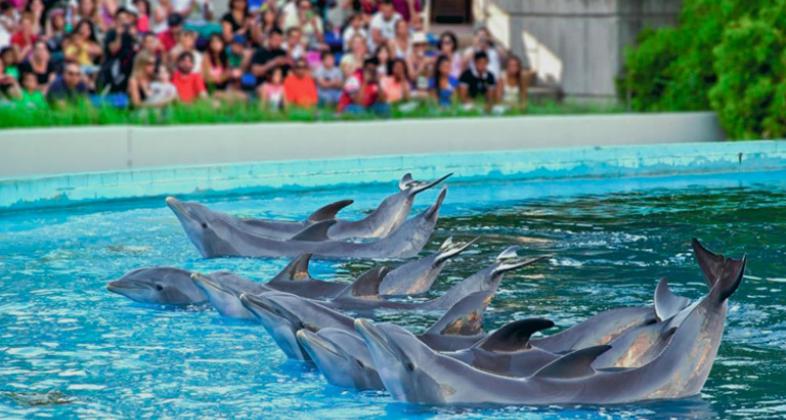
[{"x": 622, "y": 355}]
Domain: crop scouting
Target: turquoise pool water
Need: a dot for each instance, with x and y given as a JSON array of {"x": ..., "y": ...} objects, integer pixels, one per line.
[{"x": 70, "y": 348}]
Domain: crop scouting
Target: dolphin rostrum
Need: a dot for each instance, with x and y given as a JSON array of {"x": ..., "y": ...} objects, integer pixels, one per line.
[
  {"x": 386, "y": 218},
  {"x": 413, "y": 372},
  {"x": 215, "y": 237}
]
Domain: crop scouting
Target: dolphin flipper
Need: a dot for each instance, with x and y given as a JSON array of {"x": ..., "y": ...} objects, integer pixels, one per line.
[
  {"x": 464, "y": 318},
  {"x": 577, "y": 364},
  {"x": 296, "y": 270},
  {"x": 666, "y": 303},
  {"x": 329, "y": 211},
  {"x": 314, "y": 233},
  {"x": 514, "y": 336}
]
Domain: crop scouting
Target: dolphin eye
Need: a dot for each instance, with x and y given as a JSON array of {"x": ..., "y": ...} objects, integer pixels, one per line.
[
  {"x": 159, "y": 287},
  {"x": 409, "y": 366},
  {"x": 204, "y": 225}
]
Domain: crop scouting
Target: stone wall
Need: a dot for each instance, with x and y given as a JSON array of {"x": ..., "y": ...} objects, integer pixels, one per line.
[{"x": 577, "y": 44}]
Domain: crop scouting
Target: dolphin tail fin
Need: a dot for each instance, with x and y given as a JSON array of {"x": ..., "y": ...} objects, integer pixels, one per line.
[
  {"x": 514, "y": 336},
  {"x": 666, "y": 303},
  {"x": 450, "y": 249},
  {"x": 329, "y": 211},
  {"x": 463, "y": 318},
  {"x": 577, "y": 364},
  {"x": 405, "y": 181},
  {"x": 314, "y": 233},
  {"x": 367, "y": 284},
  {"x": 722, "y": 274},
  {"x": 297, "y": 269}
]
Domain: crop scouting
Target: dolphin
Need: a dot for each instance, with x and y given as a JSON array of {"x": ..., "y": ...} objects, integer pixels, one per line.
[
  {"x": 487, "y": 279},
  {"x": 400, "y": 281},
  {"x": 284, "y": 314},
  {"x": 215, "y": 237},
  {"x": 383, "y": 220},
  {"x": 341, "y": 356},
  {"x": 160, "y": 286},
  {"x": 413, "y": 372}
]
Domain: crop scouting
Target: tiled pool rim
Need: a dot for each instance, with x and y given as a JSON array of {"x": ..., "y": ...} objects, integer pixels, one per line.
[{"x": 557, "y": 163}]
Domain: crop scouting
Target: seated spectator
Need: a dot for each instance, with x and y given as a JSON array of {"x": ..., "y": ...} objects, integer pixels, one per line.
[
  {"x": 238, "y": 57},
  {"x": 142, "y": 76},
  {"x": 8, "y": 19},
  {"x": 31, "y": 94},
  {"x": 119, "y": 50},
  {"x": 26, "y": 34},
  {"x": 268, "y": 23},
  {"x": 236, "y": 21},
  {"x": 55, "y": 30},
  {"x": 39, "y": 65},
  {"x": 215, "y": 69},
  {"x": 174, "y": 29},
  {"x": 69, "y": 87},
  {"x": 82, "y": 46},
  {"x": 395, "y": 86},
  {"x": 383, "y": 23},
  {"x": 162, "y": 91},
  {"x": 310, "y": 24},
  {"x": 270, "y": 57},
  {"x": 352, "y": 61},
  {"x": 143, "y": 16},
  {"x": 161, "y": 13},
  {"x": 400, "y": 44},
  {"x": 354, "y": 28},
  {"x": 189, "y": 84},
  {"x": 294, "y": 44},
  {"x": 478, "y": 82},
  {"x": 361, "y": 92},
  {"x": 9, "y": 87},
  {"x": 484, "y": 43},
  {"x": 151, "y": 45},
  {"x": 443, "y": 85},
  {"x": 329, "y": 80},
  {"x": 300, "y": 89},
  {"x": 513, "y": 84},
  {"x": 187, "y": 43},
  {"x": 271, "y": 92},
  {"x": 384, "y": 59},
  {"x": 10, "y": 62},
  {"x": 448, "y": 46},
  {"x": 197, "y": 15},
  {"x": 417, "y": 60}
]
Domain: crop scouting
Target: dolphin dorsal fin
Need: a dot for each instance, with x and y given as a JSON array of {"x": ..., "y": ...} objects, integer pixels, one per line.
[
  {"x": 405, "y": 181},
  {"x": 328, "y": 212},
  {"x": 514, "y": 336},
  {"x": 574, "y": 365},
  {"x": 368, "y": 283},
  {"x": 667, "y": 304},
  {"x": 296, "y": 270},
  {"x": 508, "y": 253},
  {"x": 463, "y": 318},
  {"x": 314, "y": 233}
]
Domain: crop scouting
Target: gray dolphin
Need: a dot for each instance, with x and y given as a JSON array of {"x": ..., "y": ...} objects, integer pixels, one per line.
[
  {"x": 284, "y": 314},
  {"x": 158, "y": 285},
  {"x": 400, "y": 281},
  {"x": 215, "y": 237},
  {"x": 383, "y": 220},
  {"x": 341, "y": 356},
  {"x": 413, "y": 372}
]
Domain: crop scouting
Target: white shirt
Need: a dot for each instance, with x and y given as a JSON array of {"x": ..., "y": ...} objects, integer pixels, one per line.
[{"x": 386, "y": 27}]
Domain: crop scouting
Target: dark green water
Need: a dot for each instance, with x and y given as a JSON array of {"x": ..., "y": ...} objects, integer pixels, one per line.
[{"x": 69, "y": 348}]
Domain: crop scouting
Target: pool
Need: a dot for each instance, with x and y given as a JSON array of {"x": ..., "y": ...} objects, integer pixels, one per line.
[{"x": 70, "y": 348}]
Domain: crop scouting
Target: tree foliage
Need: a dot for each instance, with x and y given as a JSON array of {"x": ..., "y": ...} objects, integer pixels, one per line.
[{"x": 725, "y": 55}]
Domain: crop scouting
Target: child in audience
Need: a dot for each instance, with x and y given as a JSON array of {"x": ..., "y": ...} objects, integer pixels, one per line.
[
  {"x": 329, "y": 79},
  {"x": 271, "y": 93}
]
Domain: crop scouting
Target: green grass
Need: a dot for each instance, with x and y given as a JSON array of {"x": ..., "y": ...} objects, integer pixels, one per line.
[{"x": 208, "y": 113}]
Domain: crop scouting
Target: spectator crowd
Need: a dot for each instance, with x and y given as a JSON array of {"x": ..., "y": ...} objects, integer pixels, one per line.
[{"x": 356, "y": 56}]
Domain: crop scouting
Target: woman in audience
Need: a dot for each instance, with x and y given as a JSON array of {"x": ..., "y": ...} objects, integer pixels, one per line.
[
  {"x": 39, "y": 65},
  {"x": 215, "y": 69},
  {"x": 142, "y": 77},
  {"x": 396, "y": 86},
  {"x": 353, "y": 60},
  {"x": 513, "y": 84},
  {"x": 384, "y": 58},
  {"x": 443, "y": 84},
  {"x": 400, "y": 44},
  {"x": 82, "y": 46},
  {"x": 448, "y": 46},
  {"x": 236, "y": 21}
]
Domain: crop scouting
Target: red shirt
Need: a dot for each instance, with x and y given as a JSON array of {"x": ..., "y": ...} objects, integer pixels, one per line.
[
  {"x": 301, "y": 92},
  {"x": 369, "y": 95},
  {"x": 189, "y": 86},
  {"x": 167, "y": 40}
]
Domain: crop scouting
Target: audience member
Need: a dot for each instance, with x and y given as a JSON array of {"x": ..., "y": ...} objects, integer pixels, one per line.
[
  {"x": 329, "y": 80},
  {"x": 39, "y": 65},
  {"x": 69, "y": 87},
  {"x": 361, "y": 92},
  {"x": 513, "y": 84},
  {"x": 443, "y": 85},
  {"x": 395, "y": 86},
  {"x": 300, "y": 89},
  {"x": 383, "y": 24},
  {"x": 189, "y": 84},
  {"x": 271, "y": 92},
  {"x": 478, "y": 82}
]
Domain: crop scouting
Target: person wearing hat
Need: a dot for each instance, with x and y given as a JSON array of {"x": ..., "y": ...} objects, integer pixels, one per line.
[{"x": 417, "y": 59}]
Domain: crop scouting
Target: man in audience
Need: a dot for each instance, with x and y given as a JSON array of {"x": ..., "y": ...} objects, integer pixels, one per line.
[
  {"x": 477, "y": 83},
  {"x": 69, "y": 87},
  {"x": 270, "y": 57},
  {"x": 383, "y": 24},
  {"x": 362, "y": 93},
  {"x": 299, "y": 88},
  {"x": 189, "y": 84}
]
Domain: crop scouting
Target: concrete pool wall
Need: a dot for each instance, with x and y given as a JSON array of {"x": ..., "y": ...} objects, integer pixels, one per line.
[
  {"x": 523, "y": 164},
  {"x": 31, "y": 152}
]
